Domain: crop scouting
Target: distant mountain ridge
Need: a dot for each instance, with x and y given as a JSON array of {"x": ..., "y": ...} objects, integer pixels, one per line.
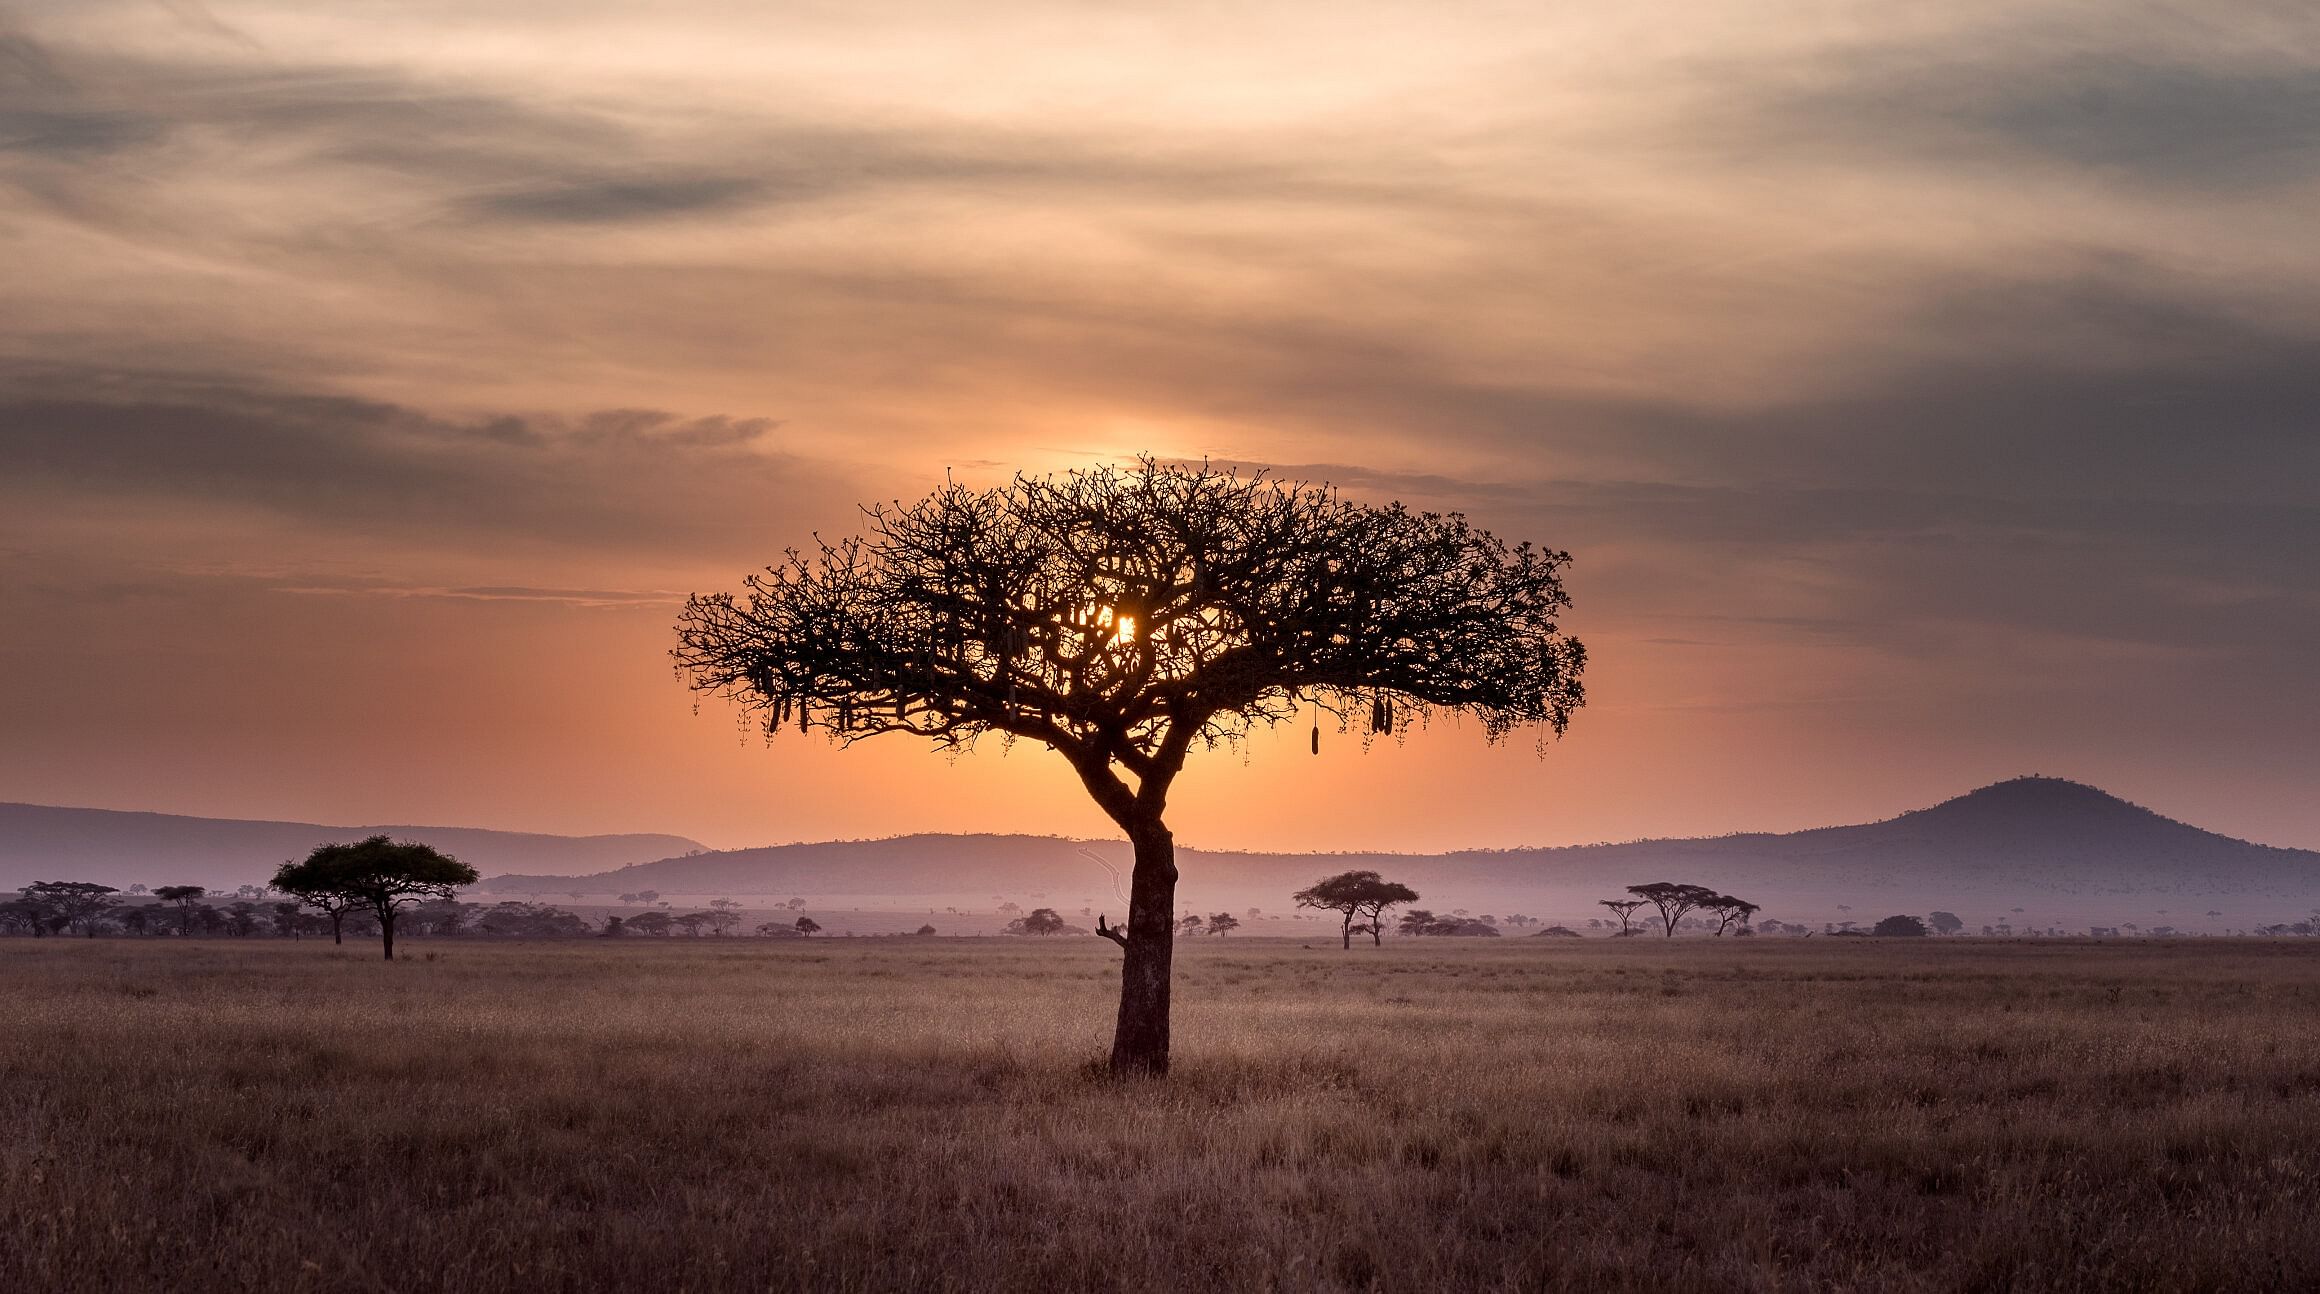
[
  {"x": 2037, "y": 850},
  {"x": 41, "y": 842},
  {"x": 2033, "y": 842}
]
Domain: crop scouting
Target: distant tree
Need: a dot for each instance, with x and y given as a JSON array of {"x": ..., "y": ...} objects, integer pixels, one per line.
[
  {"x": 519, "y": 920},
  {"x": 650, "y": 922},
  {"x": 334, "y": 905},
  {"x": 449, "y": 916},
  {"x": 1730, "y": 911},
  {"x": 692, "y": 922},
  {"x": 1559, "y": 932},
  {"x": 1625, "y": 910},
  {"x": 808, "y": 926},
  {"x": 23, "y": 914},
  {"x": 925, "y": 930},
  {"x": 1673, "y": 900},
  {"x": 1906, "y": 926},
  {"x": 1011, "y": 907},
  {"x": 242, "y": 919},
  {"x": 723, "y": 919},
  {"x": 1041, "y": 921},
  {"x": 1418, "y": 921},
  {"x": 1354, "y": 895},
  {"x": 1520, "y": 921},
  {"x": 1945, "y": 923},
  {"x": 648, "y": 896},
  {"x": 628, "y": 898},
  {"x": 184, "y": 898},
  {"x": 1223, "y": 923},
  {"x": 1188, "y": 924},
  {"x": 1123, "y": 616},
  {"x": 376, "y": 874},
  {"x": 614, "y": 928},
  {"x": 72, "y": 905},
  {"x": 132, "y": 919}
]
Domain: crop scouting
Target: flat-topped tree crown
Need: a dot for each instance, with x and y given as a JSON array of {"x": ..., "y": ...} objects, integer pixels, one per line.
[{"x": 1121, "y": 615}]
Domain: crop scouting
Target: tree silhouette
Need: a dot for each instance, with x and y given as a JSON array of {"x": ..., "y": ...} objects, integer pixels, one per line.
[
  {"x": 1673, "y": 900},
  {"x": 1625, "y": 910},
  {"x": 1122, "y": 616},
  {"x": 1944, "y": 923},
  {"x": 71, "y": 905},
  {"x": 1731, "y": 911},
  {"x": 1356, "y": 894},
  {"x": 375, "y": 874},
  {"x": 808, "y": 926},
  {"x": 1223, "y": 923},
  {"x": 1904, "y": 926},
  {"x": 185, "y": 897}
]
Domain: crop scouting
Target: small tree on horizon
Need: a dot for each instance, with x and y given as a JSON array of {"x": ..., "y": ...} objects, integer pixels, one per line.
[
  {"x": 184, "y": 898},
  {"x": 808, "y": 926},
  {"x": 1906, "y": 927},
  {"x": 1625, "y": 909},
  {"x": 1730, "y": 911},
  {"x": 1362, "y": 894},
  {"x": 1673, "y": 900},
  {"x": 1223, "y": 923},
  {"x": 1944, "y": 923},
  {"x": 1122, "y": 616},
  {"x": 376, "y": 875}
]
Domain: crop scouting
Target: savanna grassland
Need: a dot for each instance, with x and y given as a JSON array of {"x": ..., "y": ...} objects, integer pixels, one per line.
[{"x": 922, "y": 1114}]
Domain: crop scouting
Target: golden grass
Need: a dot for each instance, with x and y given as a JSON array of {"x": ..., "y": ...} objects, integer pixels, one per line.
[{"x": 921, "y": 1114}]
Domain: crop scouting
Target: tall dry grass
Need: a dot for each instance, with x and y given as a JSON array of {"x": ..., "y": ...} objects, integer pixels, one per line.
[{"x": 917, "y": 1114}]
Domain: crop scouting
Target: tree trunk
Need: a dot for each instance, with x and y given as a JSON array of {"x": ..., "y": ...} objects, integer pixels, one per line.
[
  {"x": 1348, "y": 932},
  {"x": 1140, "y": 1041},
  {"x": 387, "y": 932},
  {"x": 337, "y": 920},
  {"x": 1377, "y": 928}
]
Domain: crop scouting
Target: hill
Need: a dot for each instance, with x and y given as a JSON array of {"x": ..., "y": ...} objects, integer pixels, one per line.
[
  {"x": 46, "y": 843},
  {"x": 2035, "y": 850}
]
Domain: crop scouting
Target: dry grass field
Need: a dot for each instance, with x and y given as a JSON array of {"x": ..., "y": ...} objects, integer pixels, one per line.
[{"x": 921, "y": 1115}]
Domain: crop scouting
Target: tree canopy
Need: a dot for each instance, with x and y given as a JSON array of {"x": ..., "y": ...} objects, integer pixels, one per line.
[
  {"x": 1356, "y": 894},
  {"x": 377, "y": 874},
  {"x": 1124, "y": 615}
]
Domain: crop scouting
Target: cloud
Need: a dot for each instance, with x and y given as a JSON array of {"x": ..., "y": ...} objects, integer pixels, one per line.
[
  {"x": 580, "y": 201},
  {"x": 2181, "y": 125},
  {"x": 622, "y": 481}
]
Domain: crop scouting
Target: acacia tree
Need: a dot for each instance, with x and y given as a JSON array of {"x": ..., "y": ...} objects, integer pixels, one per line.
[
  {"x": 1356, "y": 894},
  {"x": 186, "y": 897},
  {"x": 1223, "y": 923},
  {"x": 1673, "y": 900},
  {"x": 376, "y": 875},
  {"x": 1123, "y": 616},
  {"x": 1624, "y": 909},
  {"x": 72, "y": 905},
  {"x": 1731, "y": 911}
]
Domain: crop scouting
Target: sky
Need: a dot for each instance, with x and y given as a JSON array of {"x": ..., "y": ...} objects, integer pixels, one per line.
[{"x": 1927, "y": 394}]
